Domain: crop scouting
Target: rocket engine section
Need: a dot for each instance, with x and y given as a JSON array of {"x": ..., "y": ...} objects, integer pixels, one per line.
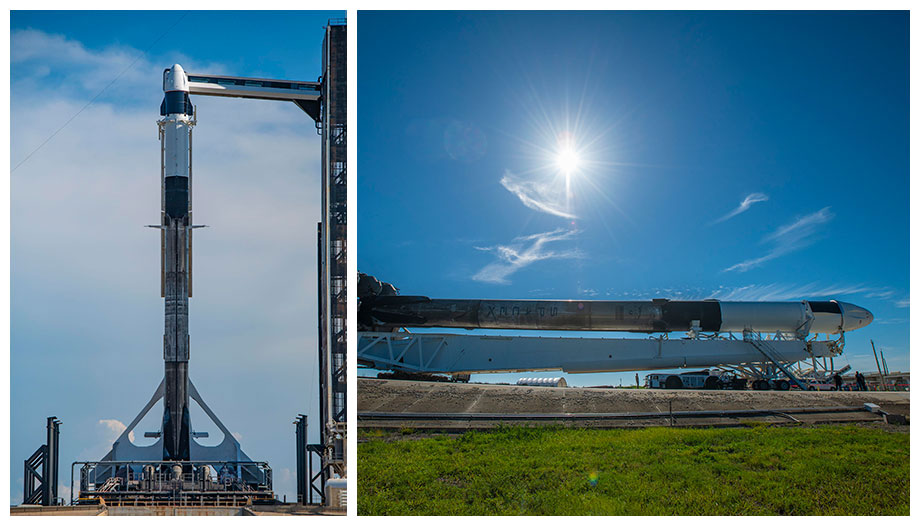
[{"x": 176, "y": 257}]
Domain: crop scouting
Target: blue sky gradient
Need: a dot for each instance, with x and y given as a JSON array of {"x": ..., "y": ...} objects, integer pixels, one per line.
[
  {"x": 86, "y": 314},
  {"x": 730, "y": 155}
]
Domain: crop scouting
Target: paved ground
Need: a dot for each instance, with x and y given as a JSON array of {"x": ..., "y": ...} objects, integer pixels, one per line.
[
  {"x": 400, "y": 396},
  {"x": 207, "y": 511}
]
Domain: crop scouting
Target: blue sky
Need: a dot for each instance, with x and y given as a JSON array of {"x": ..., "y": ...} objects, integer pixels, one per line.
[
  {"x": 86, "y": 315},
  {"x": 739, "y": 156}
]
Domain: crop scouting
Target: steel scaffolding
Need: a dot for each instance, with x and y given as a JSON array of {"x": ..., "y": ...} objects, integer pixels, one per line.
[{"x": 332, "y": 258}]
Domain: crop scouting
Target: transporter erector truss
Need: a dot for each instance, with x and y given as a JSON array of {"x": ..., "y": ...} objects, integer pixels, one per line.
[{"x": 760, "y": 339}]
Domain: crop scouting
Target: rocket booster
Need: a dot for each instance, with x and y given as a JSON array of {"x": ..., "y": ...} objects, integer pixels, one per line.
[
  {"x": 175, "y": 231},
  {"x": 661, "y": 315}
]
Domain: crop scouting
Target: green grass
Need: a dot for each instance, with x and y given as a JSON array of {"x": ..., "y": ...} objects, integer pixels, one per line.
[{"x": 837, "y": 470}]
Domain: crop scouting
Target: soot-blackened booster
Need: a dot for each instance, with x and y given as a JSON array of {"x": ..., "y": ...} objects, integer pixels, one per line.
[{"x": 176, "y": 224}]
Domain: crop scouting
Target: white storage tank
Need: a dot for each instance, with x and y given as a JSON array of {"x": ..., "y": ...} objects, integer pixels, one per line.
[
  {"x": 543, "y": 382},
  {"x": 336, "y": 493}
]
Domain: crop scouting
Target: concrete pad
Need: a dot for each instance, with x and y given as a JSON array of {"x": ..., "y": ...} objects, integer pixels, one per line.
[
  {"x": 401, "y": 396},
  {"x": 441, "y": 397}
]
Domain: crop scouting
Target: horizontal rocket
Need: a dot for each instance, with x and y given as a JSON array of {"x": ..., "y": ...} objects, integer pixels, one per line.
[{"x": 388, "y": 312}]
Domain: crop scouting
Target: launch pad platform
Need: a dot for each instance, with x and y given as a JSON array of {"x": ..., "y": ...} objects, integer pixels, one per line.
[
  {"x": 161, "y": 511},
  {"x": 203, "y": 483}
]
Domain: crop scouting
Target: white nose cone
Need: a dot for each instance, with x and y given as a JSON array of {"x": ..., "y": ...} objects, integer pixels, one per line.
[
  {"x": 175, "y": 79},
  {"x": 855, "y": 317}
]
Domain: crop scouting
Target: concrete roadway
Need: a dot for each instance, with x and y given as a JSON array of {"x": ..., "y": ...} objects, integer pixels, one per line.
[{"x": 403, "y": 401}]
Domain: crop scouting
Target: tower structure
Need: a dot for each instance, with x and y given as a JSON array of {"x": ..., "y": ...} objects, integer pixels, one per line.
[{"x": 332, "y": 254}]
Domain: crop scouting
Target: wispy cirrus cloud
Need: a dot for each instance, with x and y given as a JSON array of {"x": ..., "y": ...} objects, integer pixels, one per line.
[
  {"x": 787, "y": 292},
  {"x": 761, "y": 292},
  {"x": 788, "y": 238},
  {"x": 746, "y": 203},
  {"x": 544, "y": 195},
  {"x": 523, "y": 251}
]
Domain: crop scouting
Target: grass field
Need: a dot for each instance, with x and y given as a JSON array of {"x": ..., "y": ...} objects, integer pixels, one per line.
[{"x": 845, "y": 470}]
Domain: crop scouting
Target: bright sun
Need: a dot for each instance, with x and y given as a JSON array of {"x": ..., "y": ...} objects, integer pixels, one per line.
[{"x": 567, "y": 160}]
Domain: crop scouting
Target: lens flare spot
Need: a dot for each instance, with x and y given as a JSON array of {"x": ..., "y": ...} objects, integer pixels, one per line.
[{"x": 592, "y": 478}]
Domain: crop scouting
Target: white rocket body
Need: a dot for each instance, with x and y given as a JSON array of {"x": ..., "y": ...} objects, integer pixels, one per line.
[{"x": 176, "y": 263}]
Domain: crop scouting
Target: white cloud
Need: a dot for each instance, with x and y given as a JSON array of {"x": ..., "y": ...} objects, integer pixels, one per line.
[
  {"x": 78, "y": 71},
  {"x": 745, "y": 204},
  {"x": 113, "y": 429},
  {"x": 546, "y": 195},
  {"x": 903, "y": 303},
  {"x": 92, "y": 187},
  {"x": 788, "y": 238},
  {"x": 523, "y": 251}
]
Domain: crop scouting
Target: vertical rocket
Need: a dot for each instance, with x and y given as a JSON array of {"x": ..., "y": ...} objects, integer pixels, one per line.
[{"x": 175, "y": 257}]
